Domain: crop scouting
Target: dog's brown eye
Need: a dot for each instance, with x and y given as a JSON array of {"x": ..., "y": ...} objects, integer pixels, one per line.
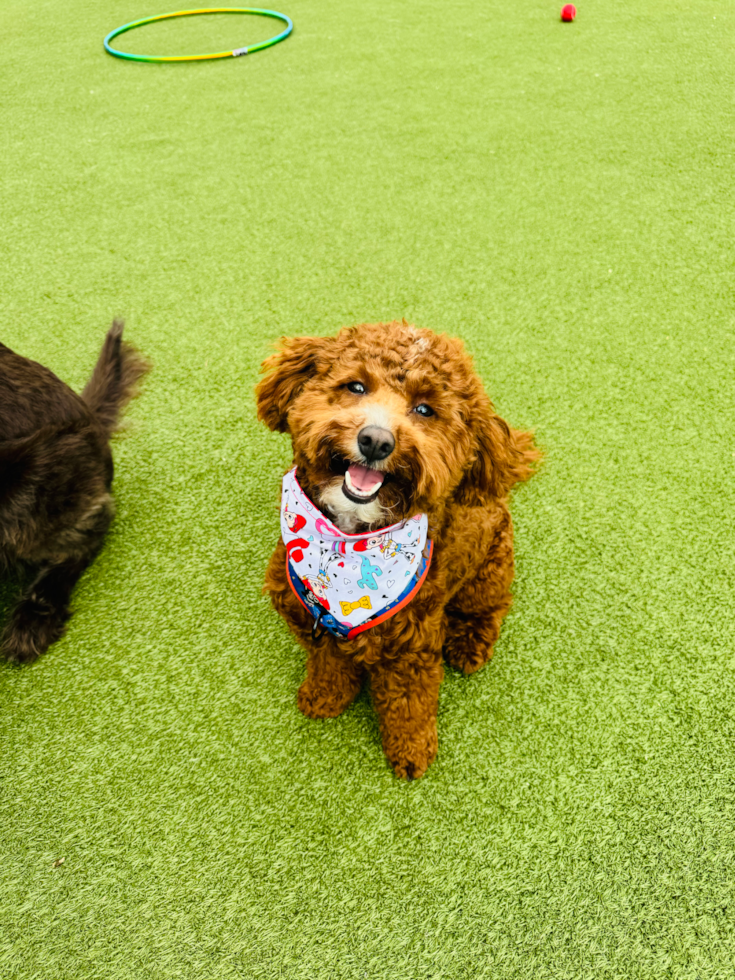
[
  {"x": 356, "y": 387},
  {"x": 424, "y": 409}
]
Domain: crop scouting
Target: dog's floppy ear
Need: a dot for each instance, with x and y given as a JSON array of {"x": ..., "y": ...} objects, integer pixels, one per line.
[
  {"x": 286, "y": 372},
  {"x": 502, "y": 457}
]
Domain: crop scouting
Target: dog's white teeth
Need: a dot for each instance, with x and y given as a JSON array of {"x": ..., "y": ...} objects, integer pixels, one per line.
[{"x": 353, "y": 489}]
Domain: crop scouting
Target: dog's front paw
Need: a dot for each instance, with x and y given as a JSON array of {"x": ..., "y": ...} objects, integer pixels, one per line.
[
  {"x": 411, "y": 754},
  {"x": 29, "y": 634},
  {"x": 321, "y": 702}
]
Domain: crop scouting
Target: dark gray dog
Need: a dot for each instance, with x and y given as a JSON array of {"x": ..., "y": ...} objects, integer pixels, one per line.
[{"x": 55, "y": 478}]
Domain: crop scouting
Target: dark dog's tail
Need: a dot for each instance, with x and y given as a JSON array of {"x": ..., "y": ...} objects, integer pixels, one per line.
[{"x": 115, "y": 378}]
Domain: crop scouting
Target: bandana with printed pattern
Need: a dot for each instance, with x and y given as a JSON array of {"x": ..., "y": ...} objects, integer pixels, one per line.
[{"x": 350, "y": 582}]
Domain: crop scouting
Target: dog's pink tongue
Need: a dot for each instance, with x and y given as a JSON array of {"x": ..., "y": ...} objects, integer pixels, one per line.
[{"x": 363, "y": 478}]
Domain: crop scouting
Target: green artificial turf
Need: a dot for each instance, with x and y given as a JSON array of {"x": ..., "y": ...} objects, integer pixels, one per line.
[{"x": 561, "y": 196}]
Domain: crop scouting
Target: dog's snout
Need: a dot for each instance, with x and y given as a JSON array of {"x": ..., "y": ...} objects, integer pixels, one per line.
[{"x": 375, "y": 443}]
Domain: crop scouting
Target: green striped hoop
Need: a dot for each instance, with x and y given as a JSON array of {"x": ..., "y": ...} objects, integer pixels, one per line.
[{"x": 236, "y": 53}]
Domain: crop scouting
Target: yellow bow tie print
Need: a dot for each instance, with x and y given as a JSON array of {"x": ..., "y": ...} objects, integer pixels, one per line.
[{"x": 363, "y": 603}]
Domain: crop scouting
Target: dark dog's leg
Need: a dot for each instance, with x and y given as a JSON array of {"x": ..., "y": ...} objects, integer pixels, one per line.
[
  {"x": 39, "y": 616},
  {"x": 42, "y": 611}
]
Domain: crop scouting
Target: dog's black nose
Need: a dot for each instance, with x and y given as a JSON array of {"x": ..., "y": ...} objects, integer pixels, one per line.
[{"x": 375, "y": 443}]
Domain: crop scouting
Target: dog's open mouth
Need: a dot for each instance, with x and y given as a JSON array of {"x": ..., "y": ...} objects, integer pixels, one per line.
[{"x": 362, "y": 484}]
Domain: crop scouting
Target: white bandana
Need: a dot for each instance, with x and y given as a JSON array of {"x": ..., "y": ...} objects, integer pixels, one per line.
[{"x": 350, "y": 582}]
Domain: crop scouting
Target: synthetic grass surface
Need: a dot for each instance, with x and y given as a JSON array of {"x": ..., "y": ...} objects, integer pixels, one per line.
[{"x": 561, "y": 197}]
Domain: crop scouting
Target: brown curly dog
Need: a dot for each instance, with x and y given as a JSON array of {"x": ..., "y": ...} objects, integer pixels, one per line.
[{"x": 406, "y": 403}]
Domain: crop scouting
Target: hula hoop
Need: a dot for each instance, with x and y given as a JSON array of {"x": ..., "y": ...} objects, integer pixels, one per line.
[{"x": 200, "y": 57}]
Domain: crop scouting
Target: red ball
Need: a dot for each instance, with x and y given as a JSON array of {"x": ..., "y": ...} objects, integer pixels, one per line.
[{"x": 568, "y": 12}]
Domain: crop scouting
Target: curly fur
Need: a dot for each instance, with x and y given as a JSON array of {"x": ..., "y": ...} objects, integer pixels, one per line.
[
  {"x": 55, "y": 477},
  {"x": 457, "y": 466}
]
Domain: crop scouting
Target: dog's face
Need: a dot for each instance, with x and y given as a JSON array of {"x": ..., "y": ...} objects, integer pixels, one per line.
[{"x": 386, "y": 420}]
